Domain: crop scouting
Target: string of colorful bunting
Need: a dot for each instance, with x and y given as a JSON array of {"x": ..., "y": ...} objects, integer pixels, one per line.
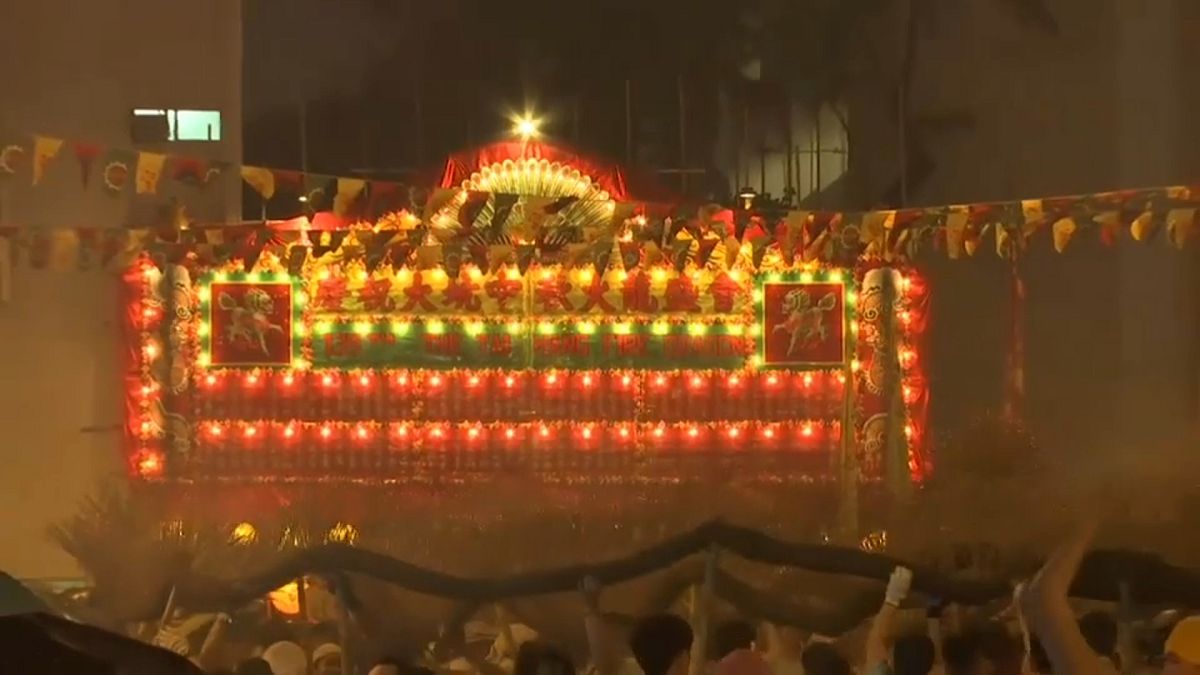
[{"x": 387, "y": 221}]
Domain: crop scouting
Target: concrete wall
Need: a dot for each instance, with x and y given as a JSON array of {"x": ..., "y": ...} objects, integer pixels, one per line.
[
  {"x": 75, "y": 70},
  {"x": 1106, "y": 104}
]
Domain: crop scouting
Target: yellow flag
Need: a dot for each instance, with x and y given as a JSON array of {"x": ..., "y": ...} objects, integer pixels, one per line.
[
  {"x": 1181, "y": 223},
  {"x": 262, "y": 180},
  {"x": 348, "y": 190},
  {"x": 149, "y": 170},
  {"x": 1142, "y": 226},
  {"x": 438, "y": 200},
  {"x": 956, "y": 225},
  {"x": 1062, "y": 231},
  {"x": 44, "y": 150}
]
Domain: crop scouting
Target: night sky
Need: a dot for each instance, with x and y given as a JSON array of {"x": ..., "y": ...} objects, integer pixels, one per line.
[{"x": 395, "y": 85}]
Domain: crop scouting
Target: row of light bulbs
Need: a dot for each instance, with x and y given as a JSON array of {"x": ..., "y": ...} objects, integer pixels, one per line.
[
  {"x": 511, "y": 379},
  {"x": 405, "y": 432}
]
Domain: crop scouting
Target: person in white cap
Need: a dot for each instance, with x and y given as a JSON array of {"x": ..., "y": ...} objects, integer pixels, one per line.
[
  {"x": 286, "y": 658},
  {"x": 327, "y": 659}
]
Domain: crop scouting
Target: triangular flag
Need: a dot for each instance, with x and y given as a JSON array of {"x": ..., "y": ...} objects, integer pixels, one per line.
[
  {"x": 622, "y": 211},
  {"x": 532, "y": 212},
  {"x": 1142, "y": 227},
  {"x": 399, "y": 253},
  {"x": 631, "y": 255},
  {"x": 1062, "y": 230},
  {"x": 452, "y": 258},
  {"x": 758, "y": 249},
  {"x": 44, "y": 150},
  {"x": 525, "y": 254},
  {"x": 502, "y": 208},
  {"x": 651, "y": 254},
  {"x": 290, "y": 183},
  {"x": 1110, "y": 226},
  {"x": 1032, "y": 211},
  {"x": 956, "y": 224},
  {"x": 559, "y": 205},
  {"x": 149, "y": 171},
  {"x": 479, "y": 256},
  {"x": 86, "y": 153},
  {"x": 1181, "y": 224},
  {"x": 375, "y": 247},
  {"x": 348, "y": 192},
  {"x": 295, "y": 260},
  {"x": 601, "y": 254},
  {"x": 680, "y": 248},
  {"x": 705, "y": 251},
  {"x": 189, "y": 170},
  {"x": 437, "y": 201},
  {"x": 471, "y": 208},
  {"x": 732, "y": 248},
  {"x": 262, "y": 180}
]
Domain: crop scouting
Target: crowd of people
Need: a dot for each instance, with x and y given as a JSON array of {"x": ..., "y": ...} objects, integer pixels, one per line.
[{"x": 1040, "y": 633}]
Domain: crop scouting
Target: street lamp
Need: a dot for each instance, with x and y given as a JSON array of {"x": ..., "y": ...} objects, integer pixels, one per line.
[{"x": 747, "y": 195}]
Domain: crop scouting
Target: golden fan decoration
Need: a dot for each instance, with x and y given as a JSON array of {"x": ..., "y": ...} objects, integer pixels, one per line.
[{"x": 537, "y": 183}]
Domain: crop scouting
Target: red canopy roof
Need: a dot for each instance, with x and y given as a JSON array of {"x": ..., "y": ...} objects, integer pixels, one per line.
[{"x": 609, "y": 176}]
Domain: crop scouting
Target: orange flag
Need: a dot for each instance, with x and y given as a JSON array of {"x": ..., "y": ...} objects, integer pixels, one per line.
[{"x": 44, "y": 150}]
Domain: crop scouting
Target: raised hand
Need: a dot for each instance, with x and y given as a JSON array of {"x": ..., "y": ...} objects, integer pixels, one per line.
[{"x": 898, "y": 586}]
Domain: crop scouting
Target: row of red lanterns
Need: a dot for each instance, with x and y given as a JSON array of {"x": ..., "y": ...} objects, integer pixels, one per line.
[
  {"x": 804, "y": 435},
  {"x": 520, "y": 395}
]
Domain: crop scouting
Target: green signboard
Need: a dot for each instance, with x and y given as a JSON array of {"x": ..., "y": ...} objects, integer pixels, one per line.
[{"x": 655, "y": 346}]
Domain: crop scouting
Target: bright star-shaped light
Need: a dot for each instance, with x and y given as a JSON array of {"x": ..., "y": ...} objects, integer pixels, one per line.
[{"x": 526, "y": 126}]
